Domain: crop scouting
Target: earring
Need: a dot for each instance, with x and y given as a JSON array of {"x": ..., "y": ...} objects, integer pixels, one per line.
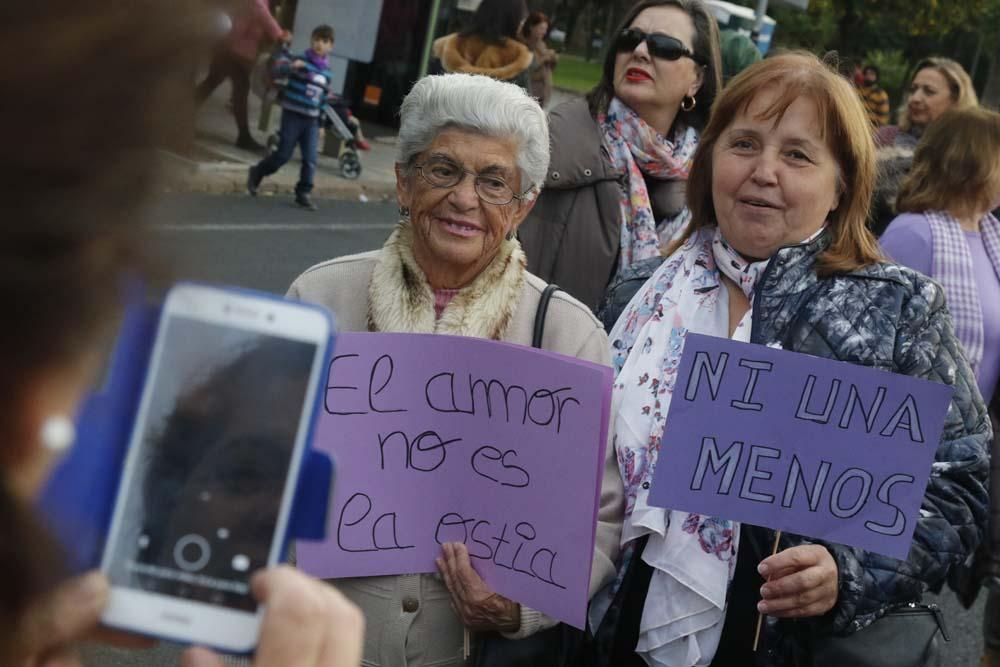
[
  {"x": 510, "y": 235},
  {"x": 404, "y": 212},
  {"x": 688, "y": 107},
  {"x": 58, "y": 434}
]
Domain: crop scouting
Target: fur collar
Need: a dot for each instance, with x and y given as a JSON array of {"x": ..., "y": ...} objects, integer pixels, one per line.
[
  {"x": 401, "y": 300},
  {"x": 471, "y": 55}
]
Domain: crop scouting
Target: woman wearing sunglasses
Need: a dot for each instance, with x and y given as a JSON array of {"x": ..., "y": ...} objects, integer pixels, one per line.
[{"x": 614, "y": 192}]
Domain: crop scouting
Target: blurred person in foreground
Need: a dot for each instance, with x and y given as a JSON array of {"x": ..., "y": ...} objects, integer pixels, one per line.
[
  {"x": 473, "y": 152},
  {"x": 945, "y": 230},
  {"x": 72, "y": 191},
  {"x": 778, "y": 254},
  {"x": 614, "y": 193},
  {"x": 938, "y": 84}
]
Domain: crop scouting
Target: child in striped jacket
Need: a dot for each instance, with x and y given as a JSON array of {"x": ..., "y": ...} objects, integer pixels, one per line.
[{"x": 305, "y": 88}]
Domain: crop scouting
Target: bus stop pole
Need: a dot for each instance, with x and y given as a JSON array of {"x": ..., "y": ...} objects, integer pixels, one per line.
[
  {"x": 425, "y": 59},
  {"x": 758, "y": 23}
]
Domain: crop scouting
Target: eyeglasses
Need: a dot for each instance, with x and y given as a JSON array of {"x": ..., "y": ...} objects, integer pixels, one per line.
[
  {"x": 441, "y": 172},
  {"x": 659, "y": 45}
]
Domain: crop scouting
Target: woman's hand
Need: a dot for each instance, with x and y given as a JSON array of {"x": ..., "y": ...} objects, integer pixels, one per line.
[
  {"x": 307, "y": 624},
  {"x": 802, "y": 582},
  {"x": 68, "y": 615},
  {"x": 479, "y": 607}
]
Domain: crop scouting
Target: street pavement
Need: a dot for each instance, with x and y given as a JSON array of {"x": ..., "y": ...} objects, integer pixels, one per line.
[
  {"x": 264, "y": 243},
  {"x": 214, "y": 165}
]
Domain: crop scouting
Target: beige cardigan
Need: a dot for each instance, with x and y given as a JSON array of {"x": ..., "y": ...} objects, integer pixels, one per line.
[{"x": 410, "y": 621}]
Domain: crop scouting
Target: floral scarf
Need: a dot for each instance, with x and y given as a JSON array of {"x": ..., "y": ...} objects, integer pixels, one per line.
[
  {"x": 636, "y": 149},
  {"x": 693, "y": 556}
]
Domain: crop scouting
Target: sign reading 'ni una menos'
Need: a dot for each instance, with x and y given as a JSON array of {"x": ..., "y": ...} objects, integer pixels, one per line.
[
  {"x": 820, "y": 448},
  {"x": 445, "y": 439}
]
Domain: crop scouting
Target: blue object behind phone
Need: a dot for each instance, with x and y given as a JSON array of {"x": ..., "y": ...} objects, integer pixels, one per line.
[{"x": 80, "y": 496}]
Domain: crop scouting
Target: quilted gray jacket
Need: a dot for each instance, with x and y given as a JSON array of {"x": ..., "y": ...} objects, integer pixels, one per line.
[{"x": 889, "y": 317}]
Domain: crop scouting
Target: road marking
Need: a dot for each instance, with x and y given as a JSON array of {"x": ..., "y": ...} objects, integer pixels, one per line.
[{"x": 272, "y": 227}]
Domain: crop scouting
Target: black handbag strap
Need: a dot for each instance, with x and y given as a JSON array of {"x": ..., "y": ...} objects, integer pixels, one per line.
[{"x": 543, "y": 307}]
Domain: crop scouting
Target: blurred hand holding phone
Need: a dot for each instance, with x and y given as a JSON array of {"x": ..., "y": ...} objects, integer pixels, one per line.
[
  {"x": 306, "y": 624},
  {"x": 214, "y": 452}
]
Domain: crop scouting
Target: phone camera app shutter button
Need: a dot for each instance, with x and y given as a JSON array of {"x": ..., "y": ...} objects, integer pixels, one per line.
[{"x": 187, "y": 544}]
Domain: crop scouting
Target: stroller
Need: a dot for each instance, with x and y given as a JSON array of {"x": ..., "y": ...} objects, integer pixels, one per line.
[
  {"x": 267, "y": 88},
  {"x": 347, "y": 154}
]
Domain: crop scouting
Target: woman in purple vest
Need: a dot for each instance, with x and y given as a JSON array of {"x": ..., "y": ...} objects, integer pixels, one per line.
[{"x": 946, "y": 231}]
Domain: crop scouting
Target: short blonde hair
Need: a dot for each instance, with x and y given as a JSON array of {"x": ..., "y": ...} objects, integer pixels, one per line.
[
  {"x": 956, "y": 166},
  {"x": 963, "y": 94},
  {"x": 845, "y": 128}
]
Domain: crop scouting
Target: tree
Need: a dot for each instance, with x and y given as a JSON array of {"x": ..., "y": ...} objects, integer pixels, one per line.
[
  {"x": 962, "y": 30},
  {"x": 858, "y": 26}
]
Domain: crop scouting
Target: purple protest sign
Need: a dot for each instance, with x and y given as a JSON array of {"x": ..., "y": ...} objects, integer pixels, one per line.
[
  {"x": 820, "y": 448},
  {"x": 447, "y": 439}
]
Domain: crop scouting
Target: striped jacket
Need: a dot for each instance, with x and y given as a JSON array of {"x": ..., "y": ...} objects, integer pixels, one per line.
[{"x": 305, "y": 89}]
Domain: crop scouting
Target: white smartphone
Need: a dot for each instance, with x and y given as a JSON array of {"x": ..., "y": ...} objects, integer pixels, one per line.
[{"x": 209, "y": 478}]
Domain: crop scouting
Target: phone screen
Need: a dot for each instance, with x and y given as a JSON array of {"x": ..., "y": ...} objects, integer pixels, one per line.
[{"x": 214, "y": 446}]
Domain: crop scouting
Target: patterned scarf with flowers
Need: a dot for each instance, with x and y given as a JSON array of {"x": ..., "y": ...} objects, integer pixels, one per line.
[
  {"x": 639, "y": 151},
  {"x": 693, "y": 556}
]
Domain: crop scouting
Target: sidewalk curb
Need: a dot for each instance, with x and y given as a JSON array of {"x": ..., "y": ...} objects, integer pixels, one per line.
[
  {"x": 183, "y": 174},
  {"x": 207, "y": 182}
]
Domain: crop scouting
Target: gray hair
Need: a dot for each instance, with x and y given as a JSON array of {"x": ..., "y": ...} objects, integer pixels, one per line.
[{"x": 478, "y": 104}]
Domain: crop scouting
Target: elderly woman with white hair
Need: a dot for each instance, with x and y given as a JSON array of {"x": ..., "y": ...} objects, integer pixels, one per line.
[{"x": 473, "y": 152}]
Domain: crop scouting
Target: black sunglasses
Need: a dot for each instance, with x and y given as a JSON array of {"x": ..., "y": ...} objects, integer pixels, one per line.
[{"x": 659, "y": 45}]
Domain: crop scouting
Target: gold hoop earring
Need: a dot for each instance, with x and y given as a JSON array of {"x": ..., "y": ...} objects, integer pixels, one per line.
[{"x": 688, "y": 107}]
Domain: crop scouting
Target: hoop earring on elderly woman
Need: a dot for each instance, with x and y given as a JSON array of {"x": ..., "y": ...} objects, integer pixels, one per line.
[
  {"x": 688, "y": 103},
  {"x": 404, "y": 212}
]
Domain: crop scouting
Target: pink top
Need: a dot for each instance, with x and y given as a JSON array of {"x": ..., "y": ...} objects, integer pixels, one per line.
[
  {"x": 250, "y": 27},
  {"x": 442, "y": 297}
]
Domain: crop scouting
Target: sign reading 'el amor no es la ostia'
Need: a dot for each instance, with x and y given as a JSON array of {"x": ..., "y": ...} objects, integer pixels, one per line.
[
  {"x": 447, "y": 439},
  {"x": 820, "y": 448}
]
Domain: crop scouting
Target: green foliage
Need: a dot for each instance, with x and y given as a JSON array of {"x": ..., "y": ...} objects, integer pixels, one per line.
[
  {"x": 893, "y": 72},
  {"x": 853, "y": 27},
  {"x": 813, "y": 30},
  {"x": 575, "y": 73}
]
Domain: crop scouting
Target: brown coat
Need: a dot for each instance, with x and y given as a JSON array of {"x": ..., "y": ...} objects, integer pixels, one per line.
[
  {"x": 471, "y": 55},
  {"x": 573, "y": 234}
]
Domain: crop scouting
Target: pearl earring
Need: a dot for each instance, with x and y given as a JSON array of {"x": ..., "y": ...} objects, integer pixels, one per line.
[{"x": 58, "y": 434}]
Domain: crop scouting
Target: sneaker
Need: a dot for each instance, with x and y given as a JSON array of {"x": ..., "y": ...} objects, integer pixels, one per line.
[
  {"x": 305, "y": 201},
  {"x": 253, "y": 181},
  {"x": 363, "y": 144},
  {"x": 248, "y": 143}
]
